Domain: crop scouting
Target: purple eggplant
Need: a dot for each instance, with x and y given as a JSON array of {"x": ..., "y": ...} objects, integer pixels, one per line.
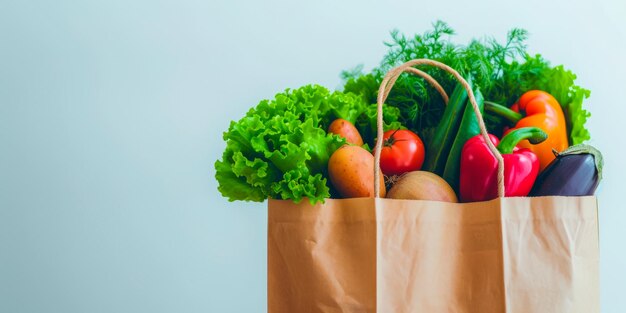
[{"x": 577, "y": 171}]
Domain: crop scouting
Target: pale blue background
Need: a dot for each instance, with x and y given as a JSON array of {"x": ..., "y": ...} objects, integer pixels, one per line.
[{"x": 111, "y": 114}]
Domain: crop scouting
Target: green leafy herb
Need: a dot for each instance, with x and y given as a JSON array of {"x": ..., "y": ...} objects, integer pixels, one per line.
[{"x": 503, "y": 71}]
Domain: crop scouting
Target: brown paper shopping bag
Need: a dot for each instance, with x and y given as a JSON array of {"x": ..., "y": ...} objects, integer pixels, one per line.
[{"x": 514, "y": 255}]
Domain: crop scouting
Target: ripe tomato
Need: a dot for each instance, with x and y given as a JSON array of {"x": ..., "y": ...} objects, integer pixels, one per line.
[{"x": 403, "y": 151}]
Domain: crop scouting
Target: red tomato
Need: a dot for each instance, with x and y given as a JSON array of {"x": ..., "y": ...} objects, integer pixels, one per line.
[{"x": 403, "y": 151}]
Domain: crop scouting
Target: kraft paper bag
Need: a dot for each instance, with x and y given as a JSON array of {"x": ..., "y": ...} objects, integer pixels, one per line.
[{"x": 517, "y": 255}]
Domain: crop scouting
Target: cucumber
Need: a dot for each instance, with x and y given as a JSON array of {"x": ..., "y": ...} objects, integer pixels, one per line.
[
  {"x": 467, "y": 129},
  {"x": 439, "y": 146}
]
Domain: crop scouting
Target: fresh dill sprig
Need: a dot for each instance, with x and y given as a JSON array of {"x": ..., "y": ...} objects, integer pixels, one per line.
[{"x": 503, "y": 71}]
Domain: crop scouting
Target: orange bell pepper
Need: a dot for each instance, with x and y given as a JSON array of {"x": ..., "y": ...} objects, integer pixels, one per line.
[{"x": 539, "y": 109}]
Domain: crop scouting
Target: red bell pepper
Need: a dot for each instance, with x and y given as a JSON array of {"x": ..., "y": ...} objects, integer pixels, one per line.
[{"x": 479, "y": 167}]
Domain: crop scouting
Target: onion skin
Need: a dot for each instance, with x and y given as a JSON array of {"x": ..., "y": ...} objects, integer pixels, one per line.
[{"x": 422, "y": 185}]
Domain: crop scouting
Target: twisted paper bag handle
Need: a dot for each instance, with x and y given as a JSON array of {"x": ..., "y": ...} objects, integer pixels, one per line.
[{"x": 385, "y": 89}]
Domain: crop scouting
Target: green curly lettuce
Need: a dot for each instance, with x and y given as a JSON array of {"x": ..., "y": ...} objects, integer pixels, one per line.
[{"x": 280, "y": 149}]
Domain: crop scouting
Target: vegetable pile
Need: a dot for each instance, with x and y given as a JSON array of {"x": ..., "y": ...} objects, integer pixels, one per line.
[
  {"x": 311, "y": 143},
  {"x": 280, "y": 149}
]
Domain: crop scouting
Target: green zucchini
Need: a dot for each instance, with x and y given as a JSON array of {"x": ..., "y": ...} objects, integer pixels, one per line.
[
  {"x": 439, "y": 146},
  {"x": 468, "y": 129}
]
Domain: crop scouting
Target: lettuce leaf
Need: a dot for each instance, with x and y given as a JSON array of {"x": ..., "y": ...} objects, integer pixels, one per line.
[
  {"x": 280, "y": 149},
  {"x": 560, "y": 83}
]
